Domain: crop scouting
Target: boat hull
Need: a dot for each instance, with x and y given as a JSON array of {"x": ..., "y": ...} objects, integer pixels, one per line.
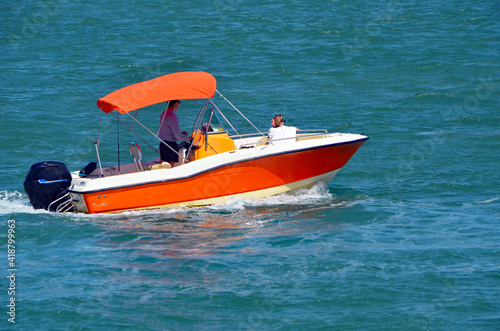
[{"x": 257, "y": 177}]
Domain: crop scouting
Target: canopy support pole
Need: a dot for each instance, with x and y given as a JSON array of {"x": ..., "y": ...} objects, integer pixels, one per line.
[
  {"x": 229, "y": 102},
  {"x": 138, "y": 136},
  {"x": 224, "y": 117},
  {"x": 154, "y": 134}
]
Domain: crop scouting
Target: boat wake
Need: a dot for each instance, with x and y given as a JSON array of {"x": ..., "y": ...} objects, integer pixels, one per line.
[
  {"x": 16, "y": 202},
  {"x": 317, "y": 194},
  {"x": 193, "y": 232}
]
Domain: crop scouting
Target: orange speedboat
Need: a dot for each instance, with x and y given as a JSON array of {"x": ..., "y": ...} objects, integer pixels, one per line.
[{"x": 218, "y": 165}]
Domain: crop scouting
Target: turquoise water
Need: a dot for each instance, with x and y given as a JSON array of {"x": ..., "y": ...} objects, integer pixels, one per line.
[{"x": 406, "y": 237}]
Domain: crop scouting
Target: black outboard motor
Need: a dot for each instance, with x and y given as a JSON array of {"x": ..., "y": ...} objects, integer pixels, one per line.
[{"x": 46, "y": 182}]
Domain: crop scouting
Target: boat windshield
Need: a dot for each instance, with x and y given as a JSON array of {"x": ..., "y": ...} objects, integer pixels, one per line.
[{"x": 209, "y": 121}]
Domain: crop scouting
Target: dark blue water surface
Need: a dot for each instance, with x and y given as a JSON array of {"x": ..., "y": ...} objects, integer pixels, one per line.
[{"x": 406, "y": 237}]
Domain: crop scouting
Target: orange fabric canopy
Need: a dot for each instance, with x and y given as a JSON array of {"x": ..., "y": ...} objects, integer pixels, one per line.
[{"x": 176, "y": 86}]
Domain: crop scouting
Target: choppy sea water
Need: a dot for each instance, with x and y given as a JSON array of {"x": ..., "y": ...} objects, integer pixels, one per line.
[{"x": 405, "y": 237}]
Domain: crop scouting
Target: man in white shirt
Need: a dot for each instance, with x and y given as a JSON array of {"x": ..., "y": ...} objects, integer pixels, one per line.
[
  {"x": 170, "y": 132},
  {"x": 280, "y": 133}
]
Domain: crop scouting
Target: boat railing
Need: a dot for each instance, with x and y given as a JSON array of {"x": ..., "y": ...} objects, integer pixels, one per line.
[
  {"x": 319, "y": 133},
  {"x": 233, "y": 136},
  {"x": 316, "y": 133},
  {"x": 65, "y": 204},
  {"x": 324, "y": 131},
  {"x": 247, "y": 135}
]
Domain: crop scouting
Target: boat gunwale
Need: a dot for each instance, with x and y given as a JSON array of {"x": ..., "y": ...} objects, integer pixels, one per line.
[{"x": 213, "y": 168}]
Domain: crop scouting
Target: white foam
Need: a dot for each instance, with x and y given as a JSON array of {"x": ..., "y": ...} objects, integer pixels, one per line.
[
  {"x": 317, "y": 193},
  {"x": 487, "y": 201},
  {"x": 16, "y": 202}
]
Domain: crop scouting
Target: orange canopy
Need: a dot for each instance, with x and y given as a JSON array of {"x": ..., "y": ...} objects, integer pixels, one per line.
[{"x": 176, "y": 86}]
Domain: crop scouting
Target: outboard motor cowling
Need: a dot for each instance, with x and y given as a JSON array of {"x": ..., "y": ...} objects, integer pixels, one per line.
[{"x": 46, "y": 182}]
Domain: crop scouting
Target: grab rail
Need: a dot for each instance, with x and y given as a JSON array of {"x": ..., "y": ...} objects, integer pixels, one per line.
[
  {"x": 296, "y": 138},
  {"x": 64, "y": 206}
]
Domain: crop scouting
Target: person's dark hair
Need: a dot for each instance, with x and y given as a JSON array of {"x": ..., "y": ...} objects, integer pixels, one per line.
[
  {"x": 278, "y": 120},
  {"x": 171, "y": 103}
]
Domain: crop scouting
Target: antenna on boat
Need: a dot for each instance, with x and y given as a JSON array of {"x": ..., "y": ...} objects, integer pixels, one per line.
[
  {"x": 96, "y": 143},
  {"x": 98, "y": 157},
  {"x": 118, "y": 141}
]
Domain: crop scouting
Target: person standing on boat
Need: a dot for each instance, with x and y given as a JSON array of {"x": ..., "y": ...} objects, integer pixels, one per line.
[
  {"x": 280, "y": 132},
  {"x": 170, "y": 132}
]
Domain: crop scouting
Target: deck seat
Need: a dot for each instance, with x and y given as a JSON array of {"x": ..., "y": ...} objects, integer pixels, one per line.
[{"x": 136, "y": 153}]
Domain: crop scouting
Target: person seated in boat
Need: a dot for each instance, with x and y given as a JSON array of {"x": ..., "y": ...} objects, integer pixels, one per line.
[
  {"x": 280, "y": 133},
  {"x": 170, "y": 132}
]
